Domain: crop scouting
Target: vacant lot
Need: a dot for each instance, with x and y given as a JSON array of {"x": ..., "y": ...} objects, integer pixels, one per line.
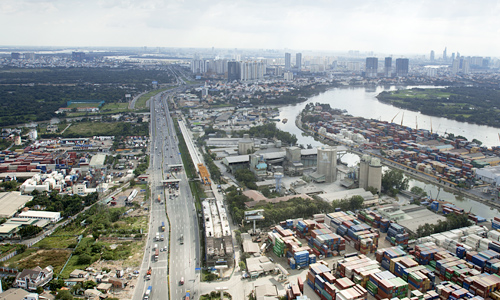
[{"x": 32, "y": 258}]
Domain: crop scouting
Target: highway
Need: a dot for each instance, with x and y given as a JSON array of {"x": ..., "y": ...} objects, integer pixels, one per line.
[{"x": 178, "y": 203}]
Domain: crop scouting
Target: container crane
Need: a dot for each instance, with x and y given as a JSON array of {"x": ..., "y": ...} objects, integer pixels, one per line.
[
  {"x": 392, "y": 120},
  {"x": 402, "y": 117}
]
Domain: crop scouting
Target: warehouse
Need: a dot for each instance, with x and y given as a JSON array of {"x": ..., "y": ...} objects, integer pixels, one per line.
[
  {"x": 11, "y": 202},
  {"x": 52, "y": 217}
]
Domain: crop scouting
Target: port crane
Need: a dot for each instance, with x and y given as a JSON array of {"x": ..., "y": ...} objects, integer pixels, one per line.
[
  {"x": 392, "y": 120},
  {"x": 402, "y": 117}
]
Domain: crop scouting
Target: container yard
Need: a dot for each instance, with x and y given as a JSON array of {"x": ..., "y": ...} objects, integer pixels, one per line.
[
  {"x": 345, "y": 256},
  {"x": 451, "y": 160}
]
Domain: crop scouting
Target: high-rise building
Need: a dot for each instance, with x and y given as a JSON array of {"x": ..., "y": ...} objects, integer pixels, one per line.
[
  {"x": 388, "y": 67},
  {"x": 370, "y": 173},
  {"x": 445, "y": 57},
  {"x": 298, "y": 61},
  {"x": 460, "y": 65},
  {"x": 78, "y": 56},
  {"x": 288, "y": 61},
  {"x": 252, "y": 70},
  {"x": 371, "y": 67},
  {"x": 432, "y": 55},
  {"x": 233, "y": 71},
  {"x": 402, "y": 67}
]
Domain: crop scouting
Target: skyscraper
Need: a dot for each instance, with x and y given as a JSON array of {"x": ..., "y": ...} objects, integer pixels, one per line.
[
  {"x": 432, "y": 55},
  {"x": 402, "y": 67},
  {"x": 233, "y": 71},
  {"x": 371, "y": 67},
  {"x": 388, "y": 67},
  {"x": 298, "y": 61},
  {"x": 445, "y": 57},
  {"x": 288, "y": 61}
]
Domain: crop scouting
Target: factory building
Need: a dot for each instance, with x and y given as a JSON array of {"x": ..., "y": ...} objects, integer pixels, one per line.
[{"x": 370, "y": 173}]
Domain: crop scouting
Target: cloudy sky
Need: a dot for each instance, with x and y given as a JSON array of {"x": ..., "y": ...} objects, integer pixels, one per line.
[{"x": 382, "y": 26}]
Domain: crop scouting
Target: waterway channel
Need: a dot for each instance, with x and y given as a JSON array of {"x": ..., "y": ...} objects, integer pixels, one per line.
[{"x": 362, "y": 102}]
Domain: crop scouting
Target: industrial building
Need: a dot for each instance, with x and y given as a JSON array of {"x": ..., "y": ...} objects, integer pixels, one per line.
[
  {"x": 11, "y": 202},
  {"x": 292, "y": 159},
  {"x": 52, "y": 217},
  {"x": 489, "y": 175},
  {"x": 368, "y": 198}
]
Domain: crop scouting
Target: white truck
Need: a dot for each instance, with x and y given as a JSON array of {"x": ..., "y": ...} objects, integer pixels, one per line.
[{"x": 157, "y": 238}]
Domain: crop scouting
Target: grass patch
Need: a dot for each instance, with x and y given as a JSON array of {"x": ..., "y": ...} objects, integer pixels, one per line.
[
  {"x": 32, "y": 258},
  {"x": 53, "y": 242},
  {"x": 71, "y": 266},
  {"x": 6, "y": 248},
  {"x": 114, "y": 108},
  {"x": 141, "y": 102}
]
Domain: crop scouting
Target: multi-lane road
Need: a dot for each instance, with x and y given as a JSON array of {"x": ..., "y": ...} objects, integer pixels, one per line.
[{"x": 176, "y": 210}]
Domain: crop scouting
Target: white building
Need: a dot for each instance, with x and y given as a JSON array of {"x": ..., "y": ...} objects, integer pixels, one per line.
[
  {"x": 489, "y": 175},
  {"x": 30, "y": 279},
  {"x": 53, "y": 217}
]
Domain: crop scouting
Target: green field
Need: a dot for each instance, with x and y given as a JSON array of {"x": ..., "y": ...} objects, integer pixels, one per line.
[
  {"x": 141, "y": 102},
  {"x": 88, "y": 129},
  {"x": 420, "y": 94}
]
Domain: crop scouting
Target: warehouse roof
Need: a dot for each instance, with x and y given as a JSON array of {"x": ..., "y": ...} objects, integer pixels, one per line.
[{"x": 11, "y": 202}]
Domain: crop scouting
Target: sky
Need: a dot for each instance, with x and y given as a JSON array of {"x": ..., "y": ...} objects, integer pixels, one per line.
[{"x": 382, "y": 26}]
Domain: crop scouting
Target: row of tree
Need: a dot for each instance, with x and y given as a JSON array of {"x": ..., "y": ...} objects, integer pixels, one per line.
[
  {"x": 270, "y": 131},
  {"x": 67, "y": 205},
  {"x": 453, "y": 221}
]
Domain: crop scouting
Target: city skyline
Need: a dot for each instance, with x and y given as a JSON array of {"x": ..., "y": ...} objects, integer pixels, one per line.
[{"x": 384, "y": 27}]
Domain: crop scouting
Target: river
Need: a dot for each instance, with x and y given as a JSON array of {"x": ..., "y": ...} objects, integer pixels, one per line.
[{"x": 362, "y": 102}]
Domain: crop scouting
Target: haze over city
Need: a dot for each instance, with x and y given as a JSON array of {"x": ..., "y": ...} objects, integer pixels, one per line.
[{"x": 384, "y": 27}]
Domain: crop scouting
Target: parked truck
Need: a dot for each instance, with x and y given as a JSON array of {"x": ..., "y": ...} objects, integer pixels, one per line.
[{"x": 147, "y": 294}]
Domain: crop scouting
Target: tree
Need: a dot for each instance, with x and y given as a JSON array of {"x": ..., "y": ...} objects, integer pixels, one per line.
[
  {"x": 56, "y": 284},
  {"x": 242, "y": 265},
  {"x": 64, "y": 295},
  {"x": 372, "y": 190},
  {"x": 84, "y": 259},
  {"x": 29, "y": 231},
  {"x": 418, "y": 191},
  {"x": 394, "y": 181}
]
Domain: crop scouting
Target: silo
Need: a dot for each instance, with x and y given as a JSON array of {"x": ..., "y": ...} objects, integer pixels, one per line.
[
  {"x": 327, "y": 163},
  {"x": 363, "y": 171},
  {"x": 245, "y": 144},
  {"x": 375, "y": 174}
]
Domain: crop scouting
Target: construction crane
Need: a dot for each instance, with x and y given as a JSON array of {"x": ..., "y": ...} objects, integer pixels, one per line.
[{"x": 392, "y": 120}]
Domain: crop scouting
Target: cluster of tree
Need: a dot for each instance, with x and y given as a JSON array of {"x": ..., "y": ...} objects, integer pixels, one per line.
[
  {"x": 247, "y": 178},
  {"x": 29, "y": 231},
  {"x": 21, "y": 104},
  {"x": 270, "y": 131},
  {"x": 453, "y": 221},
  {"x": 465, "y": 104},
  {"x": 68, "y": 205},
  {"x": 142, "y": 167},
  {"x": 99, "y": 76},
  {"x": 394, "y": 181},
  {"x": 298, "y": 95},
  {"x": 215, "y": 173},
  {"x": 9, "y": 186},
  {"x": 236, "y": 203}
]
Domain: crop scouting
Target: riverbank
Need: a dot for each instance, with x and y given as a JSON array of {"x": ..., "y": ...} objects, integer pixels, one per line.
[{"x": 409, "y": 171}]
